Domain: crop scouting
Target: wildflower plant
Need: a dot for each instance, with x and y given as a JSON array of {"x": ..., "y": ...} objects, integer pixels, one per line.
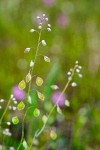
[{"x": 25, "y": 104}]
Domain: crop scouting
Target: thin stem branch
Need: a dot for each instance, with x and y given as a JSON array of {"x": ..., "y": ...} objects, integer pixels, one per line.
[
  {"x": 31, "y": 72},
  {"x": 63, "y": 91},
  {"x": 4, "y": 111}
]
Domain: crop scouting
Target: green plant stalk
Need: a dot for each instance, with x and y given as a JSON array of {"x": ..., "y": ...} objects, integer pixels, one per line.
[
  {"x": 5, "y": 111},
  {"x": 37, "y": 49},
  {"x": 36, "y": 135}
]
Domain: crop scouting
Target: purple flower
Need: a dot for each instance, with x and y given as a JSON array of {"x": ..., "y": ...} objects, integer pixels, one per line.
[
  {"x": 18, "y": 94},
  {"x": 56, "y": 96},
  {"x": 62, "y": 20},
  {"x": 49, "y": 2}
]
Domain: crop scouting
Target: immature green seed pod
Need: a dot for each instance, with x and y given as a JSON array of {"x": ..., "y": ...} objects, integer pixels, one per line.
[{"x": 39, "y": 81}]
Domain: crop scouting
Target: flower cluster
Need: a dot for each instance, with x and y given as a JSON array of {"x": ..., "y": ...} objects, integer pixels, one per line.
[{"x": 77, "y": 69}]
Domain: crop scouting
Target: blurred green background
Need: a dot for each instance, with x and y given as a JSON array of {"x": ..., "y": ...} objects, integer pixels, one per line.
[{"x": 75, "y": 36}]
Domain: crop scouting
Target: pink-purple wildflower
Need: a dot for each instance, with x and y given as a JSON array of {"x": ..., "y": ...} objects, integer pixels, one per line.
[
  {"x": 18, "y": 94},
  {"x": 55, "y": 97}
]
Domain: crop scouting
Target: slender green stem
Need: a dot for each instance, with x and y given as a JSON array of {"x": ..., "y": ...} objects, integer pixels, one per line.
[
  {"x": 4, "y": 111},
  {"x": 31, "y": 72},
  {"x": 44, "y": 125}
]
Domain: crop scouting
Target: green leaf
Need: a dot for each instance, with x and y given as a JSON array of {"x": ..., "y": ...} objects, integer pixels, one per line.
[
  {"x": 22, "y": 85},
  {"x": 15, "y": 120},
  {"x": 21, "y": 106}
]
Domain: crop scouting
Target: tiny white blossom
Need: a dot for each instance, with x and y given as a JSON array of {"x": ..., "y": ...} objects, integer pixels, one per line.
[
  {"x": 32, "y": 30},
  {"x": 69, "y": 78},
  {"x": 15, "y": 102},
  {"x": 11, "y": 96},
  {"x": 6, "y": 132},
  {"x": 67, "y": 103},
  {"x": 40, "y": 27},
  {"x": 80, "y": 67},
  {"x": 74, "y": 84},
  {"x": 31, "y": 63},
  {"x": 80, "y": 75},
  {"x": 49, "y": 29},
  {"x": 14, "y": 108},
  {"x": 71, "y": 69},
  {"x": 54, "y": 87},
  {"x": 9, "y": 123},
  {"x": 2, "y": 100},
  {"x": 10, "y": 107},
  {"x": 76, "y": 62},
  {"x": 77, "y": 70},
  {"x": 49, "y": 25},
  {"x": 27, "y": 50},
  {"x": 0, "y": 107},
  {"x": 69, "y": 73},
  {"x": 43, "y": 15},
  {"x": 46, "y": 19},
  {"x": 38, "y": 17},
  {"x": 43, "y": 42}
]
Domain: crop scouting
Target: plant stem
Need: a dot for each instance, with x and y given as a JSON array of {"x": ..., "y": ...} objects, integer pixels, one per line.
[
  {"x": 44, "y": 125},
  {"x": 31, "y": 72},
  {"x": 4, "y": 111}
]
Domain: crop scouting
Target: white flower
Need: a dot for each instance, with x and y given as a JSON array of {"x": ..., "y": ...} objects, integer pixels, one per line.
[
  {"x": 69, "y": 73},
  {"x": 43, "y": 15},
  {"x": 47, "y": 59},
  {"x": 80, "y": 67},
  {"x": 27, "y": 50},
  {"x": 74, "y": 84},
  {"x": 71, "y": 69},
  {"x": 14, "y": 108},
  {"x": 77, "y": 70},
  {"x": 15, "y": 102},
  {"x": 49, "y": 29},
  {"x": 9, "y": 123},
  {"x": 43, "y": 42},
  {"x": 69, "y": 78},
  {"x": 80, "y": 75},
  {"x": 2, "y": 100},
  {"x": 10, "y": 107},
  {"x": 40, "y": 23},
  {"x": 76, "y": 62},
  {"x": 32, "y": 30},
  {"x": 11, "y": 96},
  {"x": 46, "y": 19},
  {"x": 40, "y": 27},
  {"x": 31, "y": 63},
  {"x": 38, "y": 17},
  {"x": 0, "y": 107},
  {"x": 54, "y": 87},
  {"x": 49, "y": 25},
  {"x": 67, "y": 103}
]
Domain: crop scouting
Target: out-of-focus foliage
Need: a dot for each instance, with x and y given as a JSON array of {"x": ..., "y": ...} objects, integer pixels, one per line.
[{"x": 75, "y": 36}]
